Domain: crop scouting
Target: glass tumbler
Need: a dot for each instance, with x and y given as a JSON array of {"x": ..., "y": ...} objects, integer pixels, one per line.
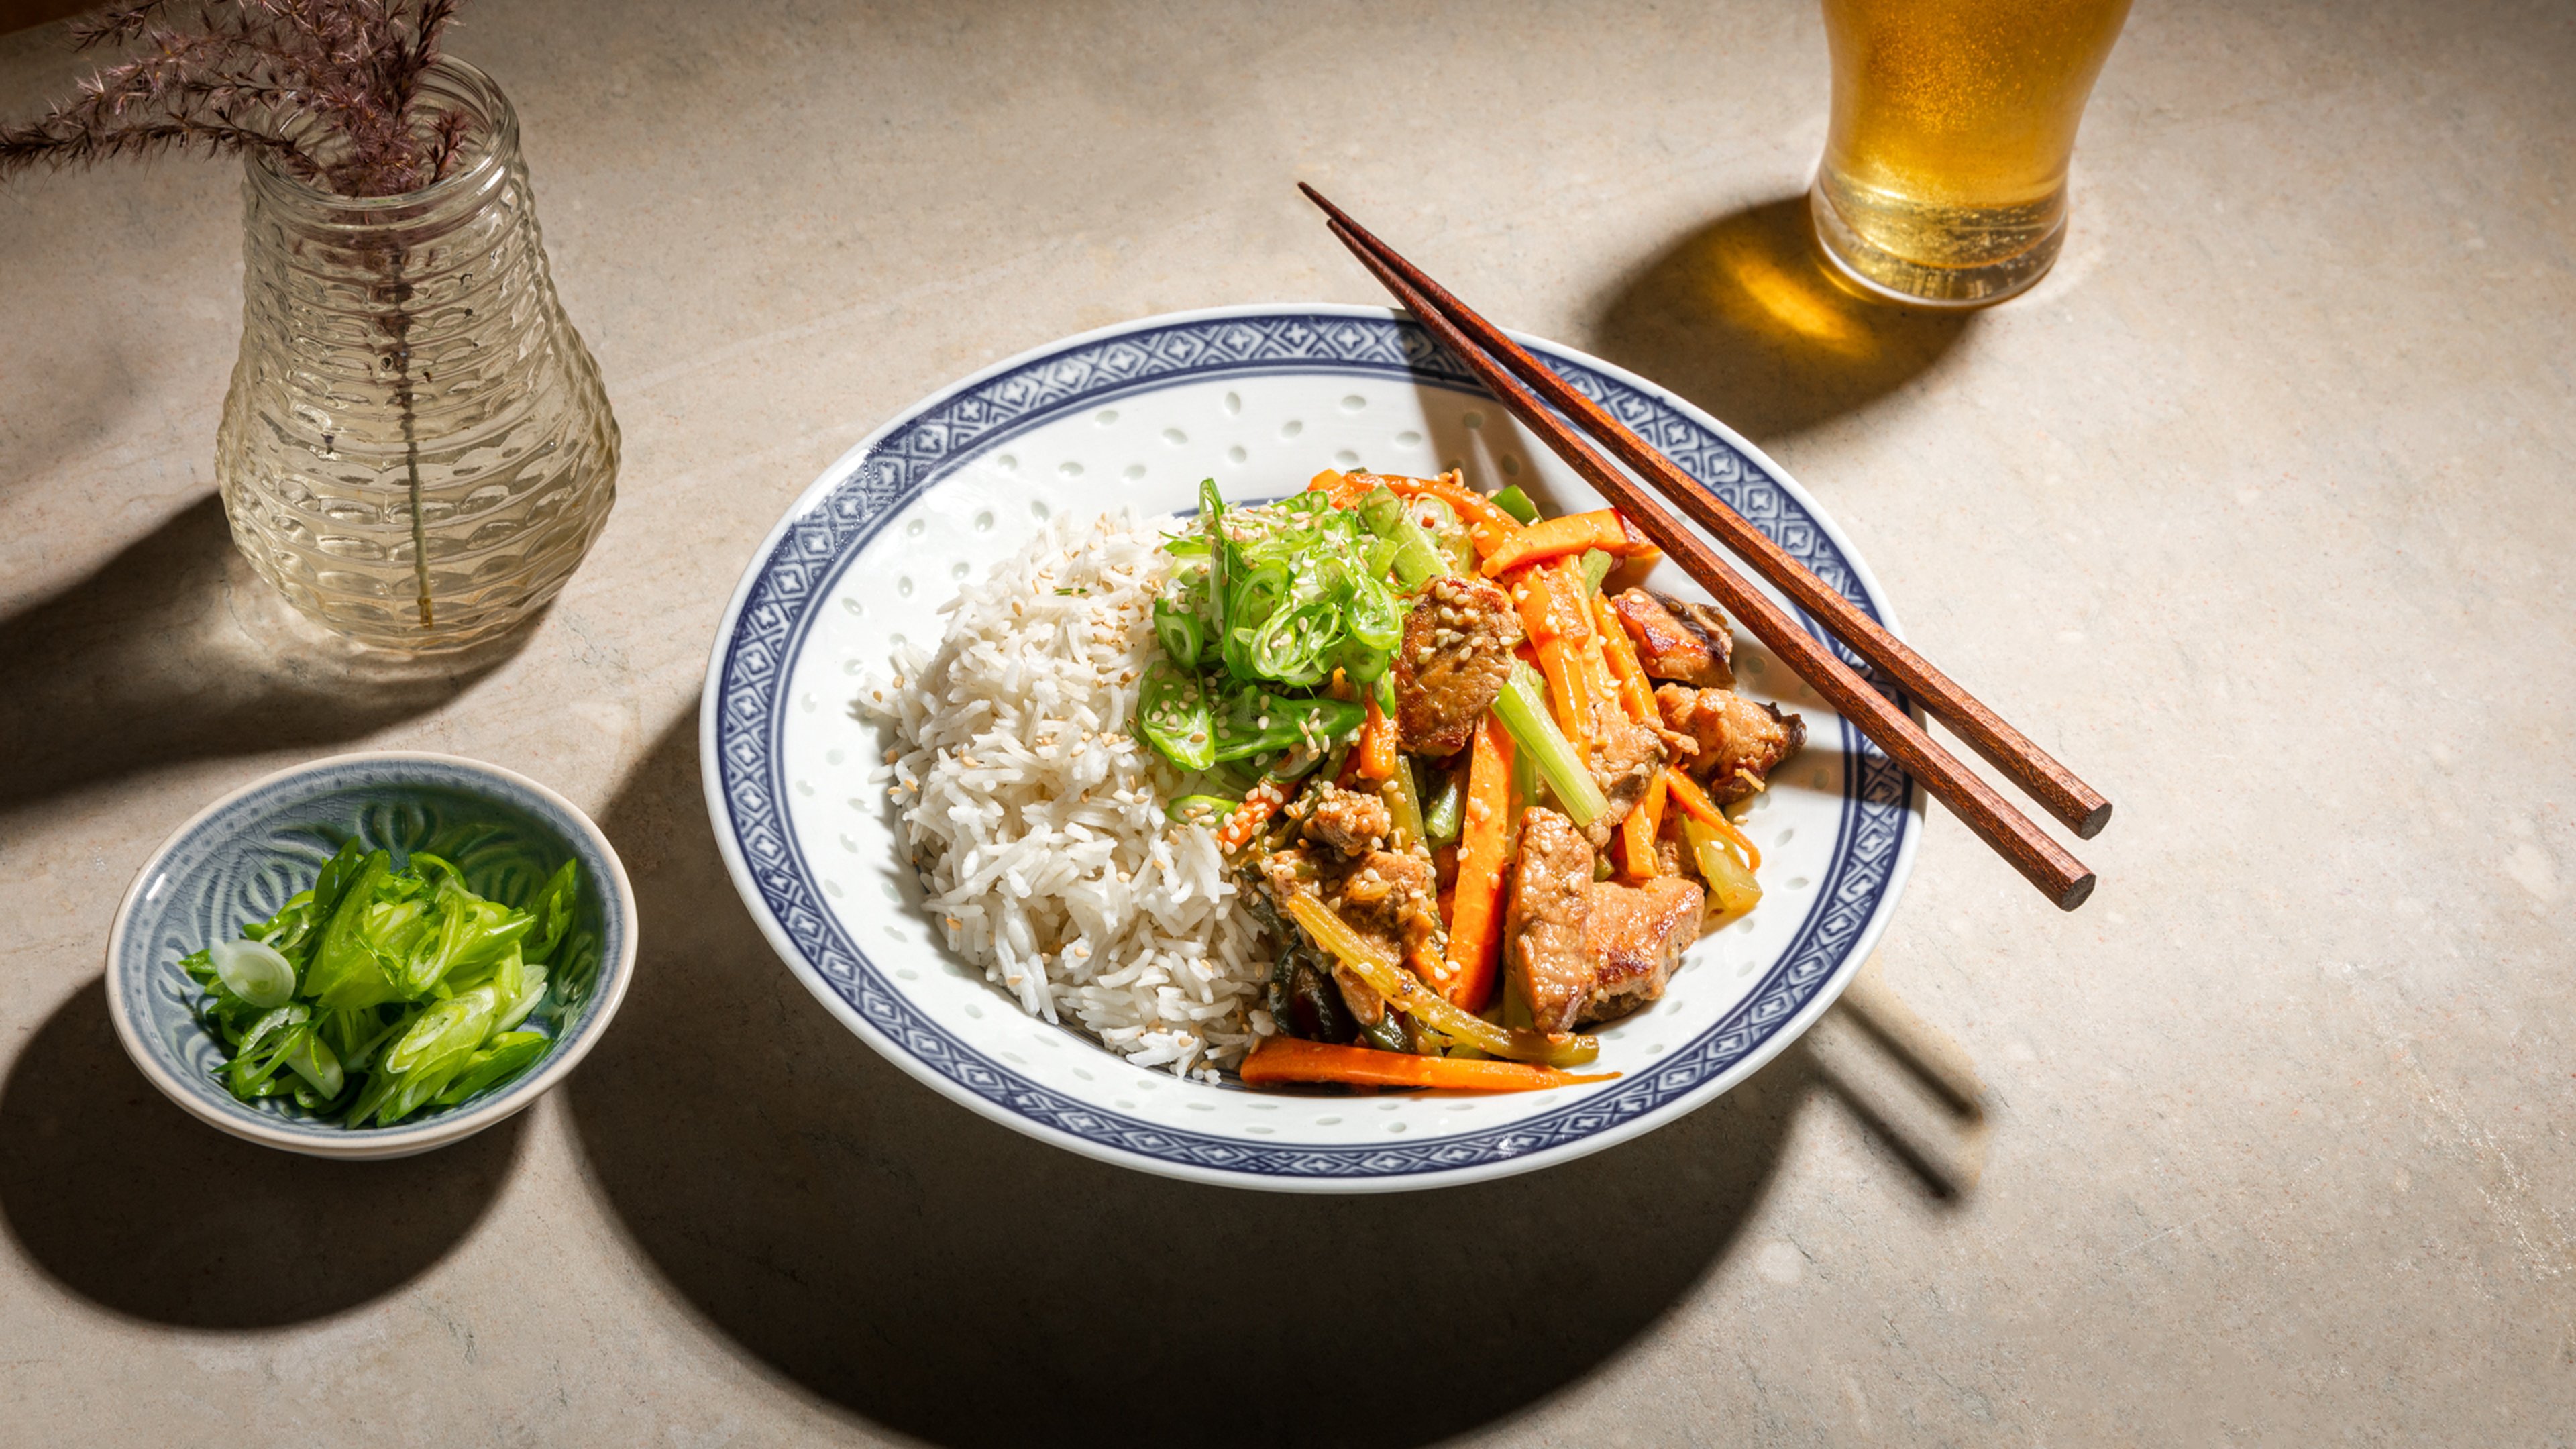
[
  {"x": 1943, "y": 181},
  {"x": 416, "y": 447}
]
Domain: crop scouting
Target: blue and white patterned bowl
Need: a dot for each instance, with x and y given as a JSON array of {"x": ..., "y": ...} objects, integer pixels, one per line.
[
  {"x": 241, "y": 858},
  {"x": 1132, "y": 417}
]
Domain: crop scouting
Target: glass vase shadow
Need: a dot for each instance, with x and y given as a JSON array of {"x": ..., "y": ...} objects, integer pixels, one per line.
[{"x": 416, "y": 448}]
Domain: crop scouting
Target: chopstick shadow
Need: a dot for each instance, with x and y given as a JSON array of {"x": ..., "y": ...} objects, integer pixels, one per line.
[
  {"x": 175, "y": 650},
  {"x": 140, "y": 1208},
  {"x": 1745, "y": 318},
  {"x": 911, "y": 1263},
  {"x": 1904, "y": 1090}
]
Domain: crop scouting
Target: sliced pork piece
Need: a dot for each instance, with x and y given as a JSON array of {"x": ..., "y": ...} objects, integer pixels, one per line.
[
  {"x": 1543, "y": 926},
  {"x": 1633, "y": 936},
  {"x": 1740, "y": 742},
  {"x": 1350, "y": 821},
  {"x": 1678, "y": 640},
  {"x": 1456, "y": 657},
  {"x": 1624, "y": 761}
]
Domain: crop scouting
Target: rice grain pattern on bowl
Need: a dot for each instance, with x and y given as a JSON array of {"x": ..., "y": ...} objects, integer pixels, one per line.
[
  {"x": 242, "y": 857},
  {"x": 1036, "y": 819}
]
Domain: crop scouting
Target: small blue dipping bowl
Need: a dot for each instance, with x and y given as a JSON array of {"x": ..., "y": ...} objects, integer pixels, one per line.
[{"x": 242, "y": 857}]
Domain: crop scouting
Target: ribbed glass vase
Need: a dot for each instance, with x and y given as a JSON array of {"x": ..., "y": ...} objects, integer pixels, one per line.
[{"x": 416, "y": 447}]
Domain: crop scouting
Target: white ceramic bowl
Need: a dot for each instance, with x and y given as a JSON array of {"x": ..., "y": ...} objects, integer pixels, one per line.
[
  {"x": 239, "y": 859},
  {"x": 1132, "y": 417}
]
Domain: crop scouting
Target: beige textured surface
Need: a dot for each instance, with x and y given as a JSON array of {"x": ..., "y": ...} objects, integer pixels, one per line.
[{"x": 2258, "y": 509}]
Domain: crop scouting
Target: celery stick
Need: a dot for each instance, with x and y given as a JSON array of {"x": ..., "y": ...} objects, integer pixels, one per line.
[{"x": 1522, "y": 707}]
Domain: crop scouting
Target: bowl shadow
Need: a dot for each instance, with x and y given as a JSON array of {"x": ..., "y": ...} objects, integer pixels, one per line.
[
  {"x": 130, "y": 1202},
  {"x": 943, "y": 1276},
  {"x": 1746, "y": 318}
]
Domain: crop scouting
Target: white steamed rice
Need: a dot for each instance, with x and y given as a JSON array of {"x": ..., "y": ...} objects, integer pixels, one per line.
[{"x": 1035, "y": 817}]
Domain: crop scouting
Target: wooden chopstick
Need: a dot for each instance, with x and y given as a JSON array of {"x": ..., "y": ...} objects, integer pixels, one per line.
[
  {"x": 2041, "y": 860},
  {"x": 2077, "y": 805}
]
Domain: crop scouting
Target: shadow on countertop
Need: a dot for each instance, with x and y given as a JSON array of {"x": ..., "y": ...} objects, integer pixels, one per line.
[
  {"x": 139, "y": 1207},
  {"x": 175, "y": 650},
  {"x": 951, "y": 1279},
  {"x": 1745, "y": 318}
]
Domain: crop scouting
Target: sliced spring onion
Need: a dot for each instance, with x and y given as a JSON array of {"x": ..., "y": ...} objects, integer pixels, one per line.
[
  {"x": 1257, "y": 722},
  {"x": 1417, "y": 560},
  {"x": 254, "y": 971},
  {"x": 395, "y": 982},
  {"x": 1522, "y": 707},
  {"x": 1207, "y": 810},
  {"x": 312, "y": 1059},
  {"x": 1172, "y": 714},
  {"x": 497, "y": 1061}
]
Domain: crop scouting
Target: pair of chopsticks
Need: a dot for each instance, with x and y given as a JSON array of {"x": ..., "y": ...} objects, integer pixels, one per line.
[{"x": 1521, "y": 381}]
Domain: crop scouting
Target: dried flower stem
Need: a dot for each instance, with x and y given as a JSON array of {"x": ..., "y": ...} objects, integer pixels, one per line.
[{"x": 329, "y": 89}]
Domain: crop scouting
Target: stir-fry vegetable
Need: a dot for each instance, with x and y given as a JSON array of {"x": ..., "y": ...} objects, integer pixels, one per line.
[
  {"x": 1403, "y": 806},
  {"x": 1259, "y": 804},
  {"x": 1731, "y": 887},
  {"x": 1444, "y": 812},
  {"x": 1605, "y": 530},
  {"x": 1522, "y": 708},
  {"x": 1417, "y": 561},
  {"x": 1492, "y": 526},
  {"x": 1279, "y": 627},
  {"x": 1476, "y": 910},
  {"x": 1406, "y": 994},
  {"x": 1636, "y": 691},
  {"x": 1287, "y": 1059},
  {"x": 381, "y": 991},
  {"x": 1376, "y": 748}
]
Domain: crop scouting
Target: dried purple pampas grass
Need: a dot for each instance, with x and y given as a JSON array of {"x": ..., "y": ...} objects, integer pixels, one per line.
[{"x": 328, "y": 89}]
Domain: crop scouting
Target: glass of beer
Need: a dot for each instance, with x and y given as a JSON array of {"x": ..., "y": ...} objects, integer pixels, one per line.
[{"x": 1944, "y": 177}]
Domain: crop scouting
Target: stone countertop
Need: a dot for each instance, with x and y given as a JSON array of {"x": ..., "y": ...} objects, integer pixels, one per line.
[{"x": 2257, "y": 510}]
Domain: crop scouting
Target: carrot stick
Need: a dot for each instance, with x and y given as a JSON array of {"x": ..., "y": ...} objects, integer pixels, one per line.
[
  {"x": 1344, "y": 489},
  {"x": 1259, "y": 804},
  {"x": 1476, "y": 909},
  {"x": 1290, "y": 1059},
  {"x": 1600, "y": 690},
  {"x": 1376, "y": 752},
  {"x": 1695, "y": 803},
  {"x": 1687, "y": 794},
  {"x": 1551, "y": 538},
  {"x": 1490, "y": 525},
  {"x": 1636, "y": 691},
  {"x": 1568, "y": 601},
  {"x": 1637, "y": 857},
  {"x": 1554, "y": 631}
]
